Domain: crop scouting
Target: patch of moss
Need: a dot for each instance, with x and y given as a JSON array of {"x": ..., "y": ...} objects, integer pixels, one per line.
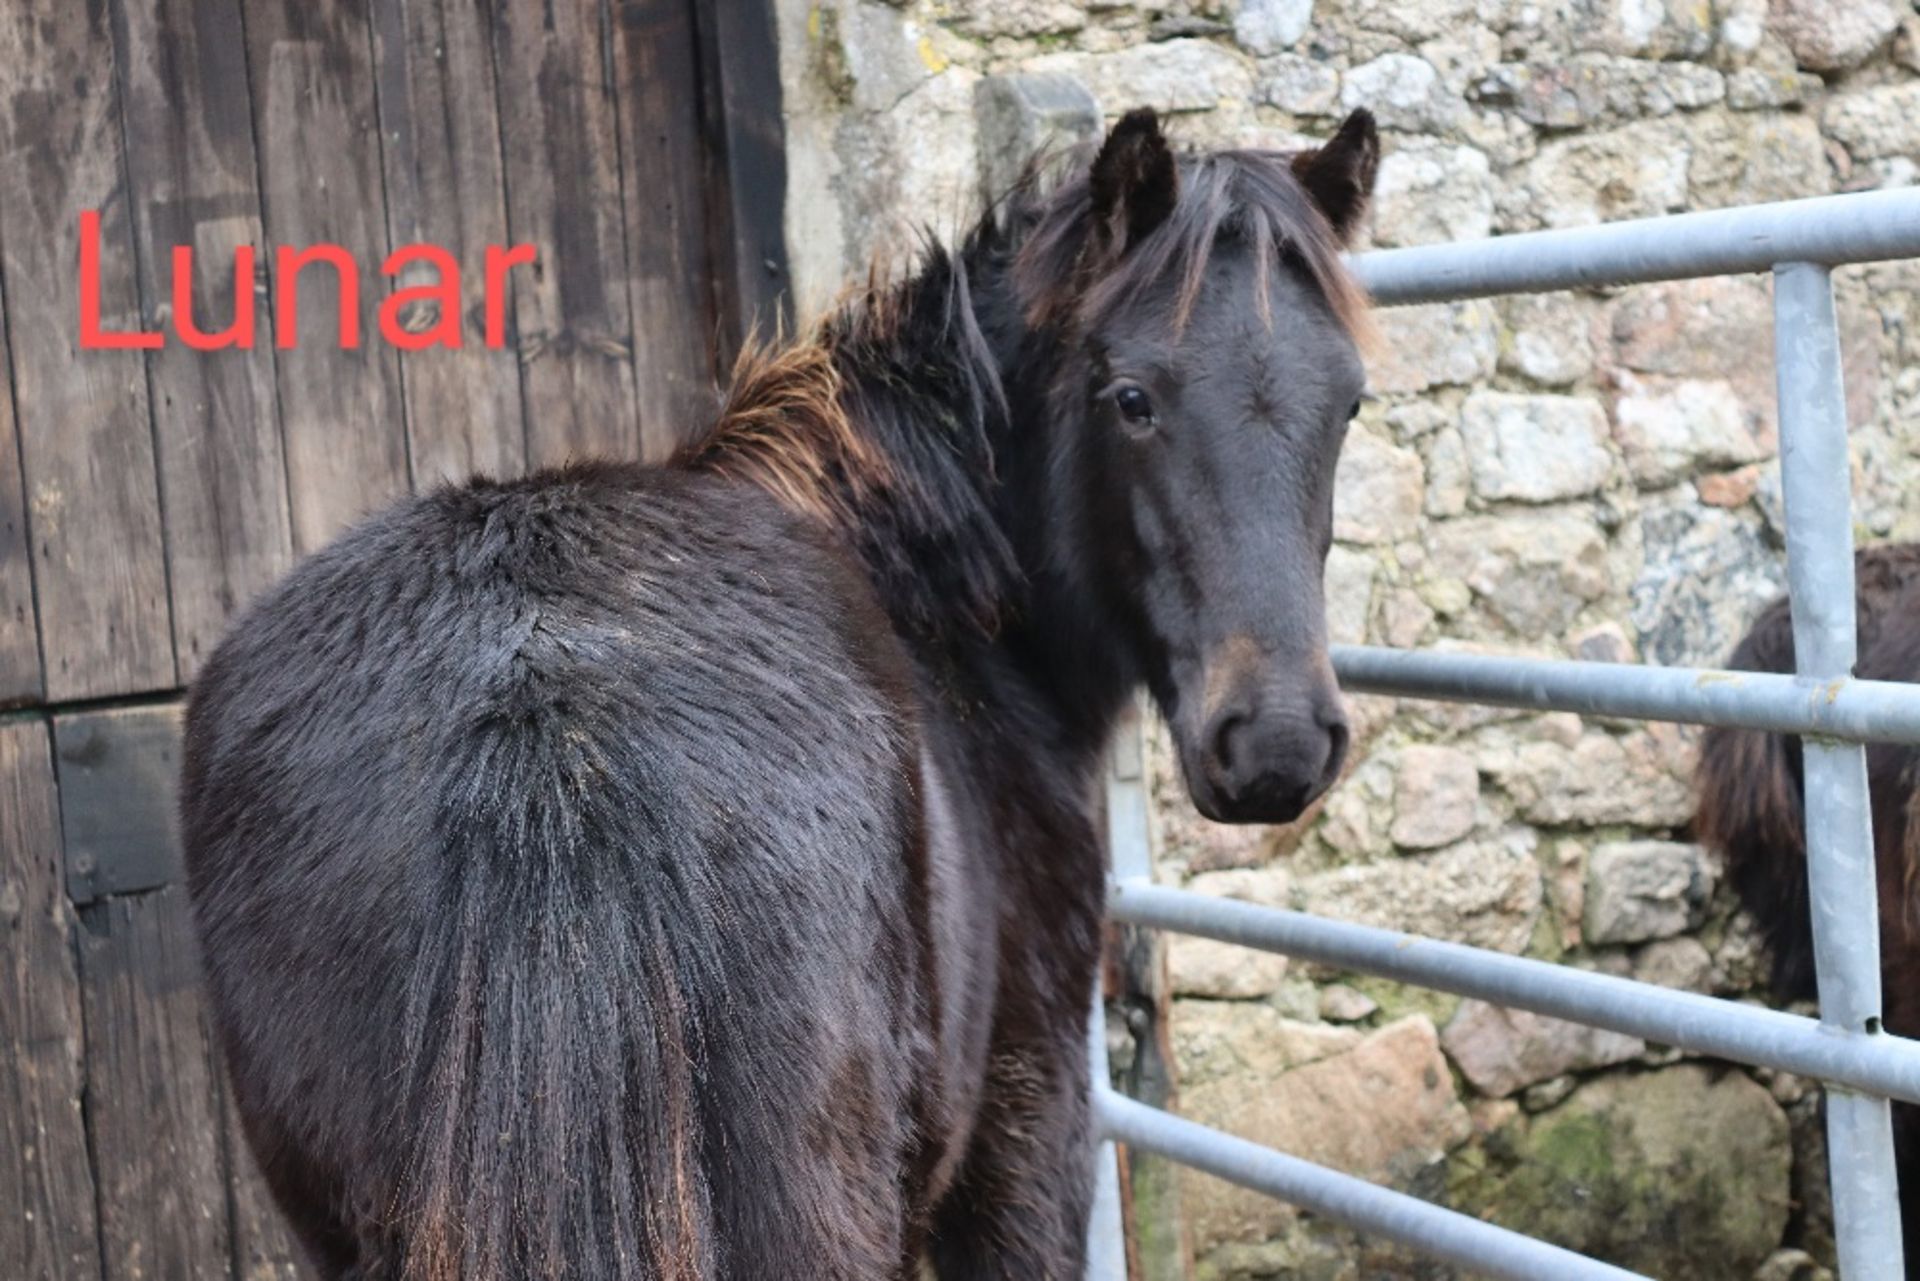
[
  {"x": 1397, "y": 1000},
  {"x": 830, "y": 63},
  {"x": 1679, "y": 1174}
]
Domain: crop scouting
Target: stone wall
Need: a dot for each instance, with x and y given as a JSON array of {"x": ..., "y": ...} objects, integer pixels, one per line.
[{"x": 1584, "y": 474}]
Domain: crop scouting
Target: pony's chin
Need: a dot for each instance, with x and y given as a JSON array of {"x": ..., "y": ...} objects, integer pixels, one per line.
[{"x": 1221, "y": 808}]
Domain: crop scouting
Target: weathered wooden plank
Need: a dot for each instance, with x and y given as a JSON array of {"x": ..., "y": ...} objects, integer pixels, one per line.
[
  {"x": 263, "y": 1245},
  {"x": 440, "y": 130},
  {"x": 563, "y": 196},
  {"x": 48, "y": 1231},
  {"x": 19, "y": 626},
  {"x": 676, "y": 329},
  {"x": 152, "y": 1105},
  {"x": 314, "y": 120},
  {"x": 92, "y": 495},
  {"x": 119, "y": 775},
  {"x": 746, "y": 154},
  {"x": 217, "y": 427}
]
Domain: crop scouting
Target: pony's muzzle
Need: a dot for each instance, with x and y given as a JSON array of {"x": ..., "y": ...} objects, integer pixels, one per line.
[{"x": 1264, "y": 759}]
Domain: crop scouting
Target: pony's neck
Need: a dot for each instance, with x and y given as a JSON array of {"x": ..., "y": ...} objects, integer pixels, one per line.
[
  {"x": 1064, "y": 636},
  {"x": 914, "y": 424}
]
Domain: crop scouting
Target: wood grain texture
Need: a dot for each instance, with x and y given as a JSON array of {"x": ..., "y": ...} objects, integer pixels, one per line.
[
  {"x": 563, "y": 196},
  {"x": 152, "y": 1102},
  {"x": 263, "y": 1245},
  {"x": 746, "y": 166},
  {"x": 191, "y": 173},
  {"x": 311, "y": 69},
  {"x": 49, "y": 1232},
  {"x": 440, "y": 125},
  {"x": 87, "y": 440},
  {"x": 19, "y": 625},
  {"x": 669, "y": 276}
]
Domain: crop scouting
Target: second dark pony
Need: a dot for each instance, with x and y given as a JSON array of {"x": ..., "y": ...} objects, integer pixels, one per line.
[
  {"x": 1752, "y": 810},
  {"x": 693, "y": 871}
]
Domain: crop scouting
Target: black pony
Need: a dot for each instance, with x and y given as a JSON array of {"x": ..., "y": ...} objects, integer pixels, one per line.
[
  {"x": 693, "y": 871},
  {"x": 1752, "y": 810}
]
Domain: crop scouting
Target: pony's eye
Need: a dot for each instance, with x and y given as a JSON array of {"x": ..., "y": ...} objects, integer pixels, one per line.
[
  {"x": 1134, "y": 405},
  {"x": 1354, "y": 412}
]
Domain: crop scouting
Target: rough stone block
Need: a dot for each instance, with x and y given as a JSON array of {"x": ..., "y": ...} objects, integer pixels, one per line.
[
  {"x": 1549, "y": 338},
  {"x": 1670, "y": 430},
  {"x": 1642, "y": 890},
  {"x": 1431, "y": 191},
  {"x": 1382, "y": 1109},
  {"x": 1637, "y": 171},
  {"x": 1535, "y": 449},
  {"x": 1438, "y": 345},
  {"x": 1875, "y": 123},
  {"x": 1484, "y": 892},
  {"x": 1533, "y": 569},
  {"x": 1268, "y": 26},
  {"x": 1598, "y": 778},
  {"x": 1403, "y": 92},
  {"x": 1172, "y": 76},
  {"x": 1706, "y": 572},
  {"x": 1299, "y": 85},
  {"x": 1020, "y": 116},
  {"x": 1826, "y": 36},
  {"x": 1435, "y": 796},
  {"x": 1502, "y": 1051},
  {"x": 1681, "y": 1173},
  {"x": 1378, "y": 489}
]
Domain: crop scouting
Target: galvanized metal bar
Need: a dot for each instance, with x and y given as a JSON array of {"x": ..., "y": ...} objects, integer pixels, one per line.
[
  {"x": 1861, "y": 227},
  {"x": 1107, "y": 1225},
  {"x": 1856, "y": 710},
  {"x": 1129, "y": 836},
  {"x": 1877, "y": 1063},
  {"x": 1817, "y": 479},
  {"x": 1435, "y": 1232},
  {"x": 1129, "y": 854}
]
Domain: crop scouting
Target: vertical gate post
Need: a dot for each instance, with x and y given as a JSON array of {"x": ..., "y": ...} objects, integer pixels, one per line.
[
  {"x": 1130, "y": 857},
  {"x": 1817, "y": 480},
  {"x": 1106, "y": 1228}
]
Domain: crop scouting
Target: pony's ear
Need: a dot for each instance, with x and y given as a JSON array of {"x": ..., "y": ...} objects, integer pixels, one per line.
[
  {"x": 1134, "y": 182},
  {"x": 1339, "y": 176}
]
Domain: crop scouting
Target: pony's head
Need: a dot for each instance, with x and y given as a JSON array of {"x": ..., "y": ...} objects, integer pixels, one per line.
[{"x": 1204, "y": 331}]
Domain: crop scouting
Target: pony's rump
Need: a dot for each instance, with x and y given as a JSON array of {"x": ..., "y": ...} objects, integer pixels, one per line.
[{"x": 508, "y": 800}]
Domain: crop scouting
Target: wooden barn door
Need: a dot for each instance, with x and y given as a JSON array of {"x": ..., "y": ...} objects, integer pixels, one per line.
[{"x": 148, "y": 495}]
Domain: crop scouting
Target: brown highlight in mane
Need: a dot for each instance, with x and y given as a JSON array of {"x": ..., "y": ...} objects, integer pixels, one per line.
[
  {"x": 784, "y": 429},
  {"x": 881, "y": 424}
]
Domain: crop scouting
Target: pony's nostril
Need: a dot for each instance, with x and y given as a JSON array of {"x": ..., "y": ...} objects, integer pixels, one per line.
[
  {"x": 1337, "y": 739},
  {"x": 1225, "y": 743}
]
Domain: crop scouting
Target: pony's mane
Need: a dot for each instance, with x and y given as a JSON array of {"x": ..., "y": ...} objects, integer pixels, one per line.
[
  {"x": 883, "y": 420},
  {"x": 1251, "y": 197},
  {"x": 880, "y": 423}
]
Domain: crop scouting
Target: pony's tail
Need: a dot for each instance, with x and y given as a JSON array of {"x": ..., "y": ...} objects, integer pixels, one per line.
[
  {"x": 552, "y": 1058},
  {"x": 1751, "y": 809}
]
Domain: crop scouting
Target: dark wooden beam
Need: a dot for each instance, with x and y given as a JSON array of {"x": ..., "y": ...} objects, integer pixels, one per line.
[
  {"x": 747, "y": 165},
  {"x": 669, "y": 210}
]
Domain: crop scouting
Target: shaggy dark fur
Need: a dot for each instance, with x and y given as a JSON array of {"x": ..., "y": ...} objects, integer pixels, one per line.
[
  {"x": 1752, "y": 811},
  {"x": 694, "y": 871}
]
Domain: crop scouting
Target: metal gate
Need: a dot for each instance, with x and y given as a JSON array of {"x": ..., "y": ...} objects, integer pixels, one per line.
[{"x": 1800, "y": 242}]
